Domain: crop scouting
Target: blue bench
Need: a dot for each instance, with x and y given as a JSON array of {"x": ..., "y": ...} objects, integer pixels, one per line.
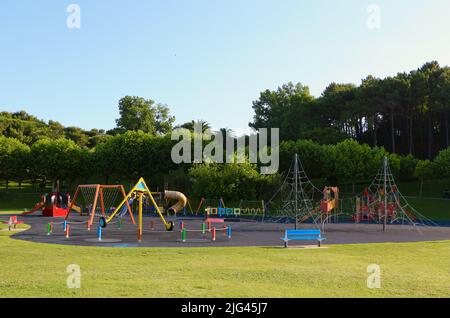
[{"x": 302, "y": 235}]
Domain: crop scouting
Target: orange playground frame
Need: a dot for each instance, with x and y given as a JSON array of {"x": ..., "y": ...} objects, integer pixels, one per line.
[{"x": 99, "y": 197}]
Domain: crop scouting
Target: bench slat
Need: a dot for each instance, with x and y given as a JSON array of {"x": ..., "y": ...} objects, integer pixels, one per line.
[
  {"x": 302, "y": 235},
  {"x": 289, "y": 232}
]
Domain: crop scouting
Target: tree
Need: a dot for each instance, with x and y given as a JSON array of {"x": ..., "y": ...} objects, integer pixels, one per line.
[
  {"x": 78, "y": 135},
  {"x": 311, "y": 155},
  {"x": 440, "y": 94},
  {"x": 57, "y": 159},
  {"x": 424, "y": 171},
  {"x": 14, "y": 157},
  {"x": 442, "y": 163},
  {"x": 285, "y": 109},
  {"x": 190, "y": 125},
  {"x": 353, "y": 162},
  {"x": 233, "y": 182},
  {"x": 137, "y": 113}
]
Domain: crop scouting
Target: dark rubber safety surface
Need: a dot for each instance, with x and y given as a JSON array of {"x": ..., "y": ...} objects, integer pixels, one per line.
[{"x": 244, "y": 233}]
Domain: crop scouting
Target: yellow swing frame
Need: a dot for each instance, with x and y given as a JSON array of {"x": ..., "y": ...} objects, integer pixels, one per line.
[{"x": 141, "y": 189}]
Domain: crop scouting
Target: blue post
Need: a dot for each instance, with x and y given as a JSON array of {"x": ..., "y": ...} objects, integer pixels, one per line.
[
  {"x": 99, "y": 233},
  {"x": 64, "y": 225},
  {"x": 229, "y": 231}
]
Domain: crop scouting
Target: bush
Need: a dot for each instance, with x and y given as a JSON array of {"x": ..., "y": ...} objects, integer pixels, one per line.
[
  {"x": 233, "y": 182},
  {"x": 442, "y": 163},
  {"x": 407, "y": 167}
]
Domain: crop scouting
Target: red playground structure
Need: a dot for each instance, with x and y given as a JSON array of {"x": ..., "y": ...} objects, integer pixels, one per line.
[{"x": 54, "y": 204}]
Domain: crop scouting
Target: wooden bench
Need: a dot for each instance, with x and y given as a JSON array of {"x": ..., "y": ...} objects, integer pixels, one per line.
[{"x": 302, "y": 235}]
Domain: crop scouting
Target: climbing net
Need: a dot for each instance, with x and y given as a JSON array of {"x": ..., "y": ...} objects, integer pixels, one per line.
[
  {"x": 98, "y": 200},
  {"x": 297, "y": 197},
  {"x": 382, "y": 202}
]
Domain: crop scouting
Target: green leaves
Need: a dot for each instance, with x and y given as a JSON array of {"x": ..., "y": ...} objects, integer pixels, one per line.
[
  {"x": 14, "y": 157},
  {"x": 57, "y": 158},
  {"x": 233, "y": 182},
  {"x": 139, "y": 114}
]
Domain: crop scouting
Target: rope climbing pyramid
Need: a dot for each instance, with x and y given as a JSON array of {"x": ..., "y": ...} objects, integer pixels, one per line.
[
  {"x": 298, "y": 195},
  {"x": 388, "y": 204}
]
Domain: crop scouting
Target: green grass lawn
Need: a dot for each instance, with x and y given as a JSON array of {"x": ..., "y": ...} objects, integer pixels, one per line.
[
  {"x": 408, "y": 270},
  {"x": 436, "y": 209}
]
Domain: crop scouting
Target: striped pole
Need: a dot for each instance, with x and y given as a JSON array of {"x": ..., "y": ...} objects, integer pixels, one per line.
[
  {"x": 64, "y": 225},
  {"x": 152, "y": 225},
  {"x": 208, "y": 225},
  {"x": 183, "y": 235},
  {"x": 49, "y": 228},
  {"x": 67, "y": 231},
  {"x": 119, "y": 224},
  {"x": 214, "y": 233},
  {"x": 88, "y": 225},
  {"x": 203, "y": 228},
  {"x": 181, "y": 225},
  {"x": 229, "y": 231},
  {"x": 99, "y": 233}
]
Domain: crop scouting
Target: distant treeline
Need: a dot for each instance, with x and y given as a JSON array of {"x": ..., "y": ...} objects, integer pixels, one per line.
[
  {"x": 128, "y": 156},
  {"x": 406, "y": 114},
  {"x": 341, "y": 137}
]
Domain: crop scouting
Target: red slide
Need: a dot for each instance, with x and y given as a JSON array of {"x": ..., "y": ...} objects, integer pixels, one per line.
[{"x": 38, "y": 206}]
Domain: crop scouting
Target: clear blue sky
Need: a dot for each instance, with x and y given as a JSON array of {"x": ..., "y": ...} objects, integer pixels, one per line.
[{"x": 206, "y": 59}]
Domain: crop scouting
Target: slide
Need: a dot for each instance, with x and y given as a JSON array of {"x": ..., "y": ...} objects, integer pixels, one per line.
[
  {"x": 37, "y": 207},
  {"x": 125, "y": 208},
  {"x": 175, "y": 195},
  {"x": 76, "y": 208}
]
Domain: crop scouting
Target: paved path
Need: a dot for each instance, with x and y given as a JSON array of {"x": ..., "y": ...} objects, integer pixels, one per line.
[{"x": 243, "y": 234}]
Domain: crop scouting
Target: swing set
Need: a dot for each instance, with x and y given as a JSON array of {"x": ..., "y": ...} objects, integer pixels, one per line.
[{"x": 99, "y": 200}]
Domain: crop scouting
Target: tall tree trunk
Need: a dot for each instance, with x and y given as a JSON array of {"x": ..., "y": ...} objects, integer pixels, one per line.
[
  {"x": 411, "y": 137},
  {"x": 447, "y": 141},
  {"x": 430, "y": 137},
  {"x": 375, "y": 131},
  {"x": 393, "y": 132},
  {"x": 421, "y": 188}
]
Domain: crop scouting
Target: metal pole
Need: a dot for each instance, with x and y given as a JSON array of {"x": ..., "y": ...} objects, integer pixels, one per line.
[
  {"x": 296, "y": 189},
  {"x": 385, "y": 193},
  {"x": 141, "y": 196}
]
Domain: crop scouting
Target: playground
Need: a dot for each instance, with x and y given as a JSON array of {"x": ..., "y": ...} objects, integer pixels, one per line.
[
  {"x": 244, "y": 233},
  {"x": 105, "y": 215},
  {"x": 142, "y": 238}
]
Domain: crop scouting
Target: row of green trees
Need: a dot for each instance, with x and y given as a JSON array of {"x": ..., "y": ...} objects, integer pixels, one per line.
[
  {"x": 406, "y": 114},
  {"x": 125, "y": 157}
]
